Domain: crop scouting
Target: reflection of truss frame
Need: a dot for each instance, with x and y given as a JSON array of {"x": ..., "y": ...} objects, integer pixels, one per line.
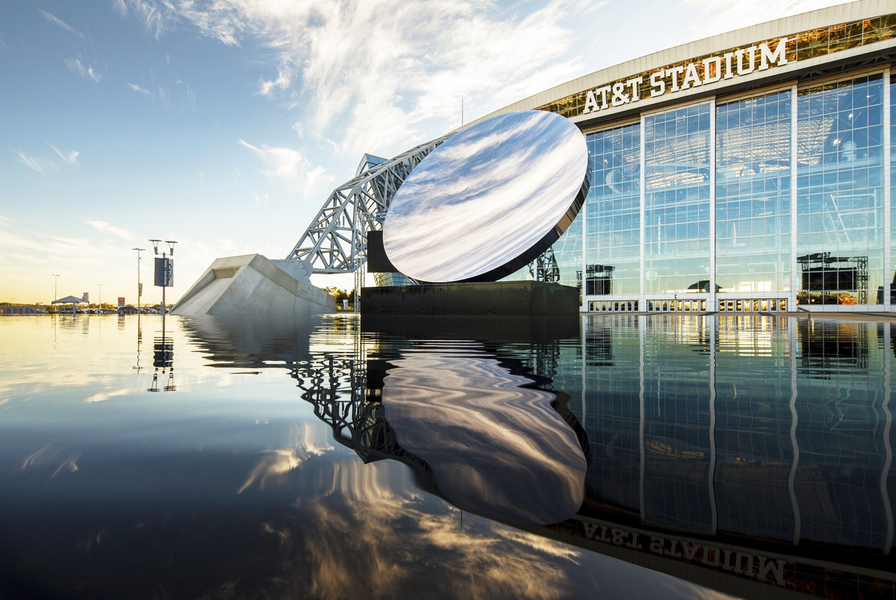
[
  {"x": 336, "y": 240},
  {"x": 336, "y": 388}
]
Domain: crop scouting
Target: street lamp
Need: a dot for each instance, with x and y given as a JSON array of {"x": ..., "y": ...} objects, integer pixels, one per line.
[
  {"x": 55, "y": 286},
  {"x": 139, "y": 285},
  {"x": 164, "y": 274},
  {"x": 99, "y": 303}
]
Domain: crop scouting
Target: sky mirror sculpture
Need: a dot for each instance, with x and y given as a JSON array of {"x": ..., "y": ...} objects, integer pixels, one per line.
[{"x": 489, "y": 200}]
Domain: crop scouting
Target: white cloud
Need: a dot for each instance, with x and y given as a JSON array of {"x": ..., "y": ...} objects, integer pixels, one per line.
[
  {"x": 120, "y": 7},
  {"x": 299, "y": 129},
  {"x": 57, "y": 21},
  {"x": 283, "y": 80},
  {"x": 138, "y": 89},
  {"x": 155, "y": 16},
  {"x": 85, "y": 71},
  {"x": 31, "y": 251},
  {"x": 292, "y": 168},
  {"x": 371, "y": 74},
  {"x": 71, "y": 158},
  {"x": 104, "y": 227},
  {"x": 36, "y": 164}
]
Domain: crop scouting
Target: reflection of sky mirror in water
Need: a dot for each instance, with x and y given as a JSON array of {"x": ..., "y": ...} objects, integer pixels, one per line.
[
  {"x": 485, "y": 196},
  {"x": 497, "y": 449}
]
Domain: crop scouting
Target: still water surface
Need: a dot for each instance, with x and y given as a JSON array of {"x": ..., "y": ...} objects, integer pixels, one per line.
[{"x": 609, "y": 456}]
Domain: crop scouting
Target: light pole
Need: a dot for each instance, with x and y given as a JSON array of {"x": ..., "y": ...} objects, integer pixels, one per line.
[
  {"x": 99, "y": 303},
  {"x": 55, "y": 286},
  {"x": 139, "y": 285},
  {"x": 166, "y": 276}
]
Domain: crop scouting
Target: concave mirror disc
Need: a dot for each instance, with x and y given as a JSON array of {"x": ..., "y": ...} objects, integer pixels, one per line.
[{"x": 489, "y": 200}]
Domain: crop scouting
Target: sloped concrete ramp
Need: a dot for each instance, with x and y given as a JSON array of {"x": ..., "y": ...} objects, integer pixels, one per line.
[{"x": 253, "y": 285}]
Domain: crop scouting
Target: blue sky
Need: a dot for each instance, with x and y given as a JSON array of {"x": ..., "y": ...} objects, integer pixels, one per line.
[{"x": 224, "y": 125}]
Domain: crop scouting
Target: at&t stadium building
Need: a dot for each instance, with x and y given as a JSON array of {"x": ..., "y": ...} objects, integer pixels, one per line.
[{"x": 749, "y": 171}]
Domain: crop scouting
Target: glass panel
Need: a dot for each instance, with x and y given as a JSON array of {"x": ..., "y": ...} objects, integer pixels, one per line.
[
  {"x": 613, "y": 212},
  {"x": 568, "y": 254},
  {"x": 892, "y": 276},
  {"x": 840, "y": 193},
  {"x": 677, "y": 195},
  {"x": 753, "y": 194}
]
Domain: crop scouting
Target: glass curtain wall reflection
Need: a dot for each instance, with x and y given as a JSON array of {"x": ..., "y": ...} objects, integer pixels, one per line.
[
  {"x": 840, "y": 192},
  {"x": 753, "y": 396},
  {"x": 678, "y": 429},
  {"x": 753, "y": 194},
  {"x": 742, "y": 425},
  {"x": 677, "y": 198},
  {"x": 613, "y": 254},
  {"x": 611, "y": 413},
  {"x": 842, "y": 406}
]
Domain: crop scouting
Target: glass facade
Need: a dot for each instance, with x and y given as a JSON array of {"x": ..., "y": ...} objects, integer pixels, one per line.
[
  {"x": 613, "y": 212},
  {"x": 840, "y": 192},
  {"x": 753, "y": 194},
  {"x": 677, "y": 199},
  {"x": 892, "y": 190},
  {"x": 697, "y": 207},
  {"x": 568, "y": 254}
]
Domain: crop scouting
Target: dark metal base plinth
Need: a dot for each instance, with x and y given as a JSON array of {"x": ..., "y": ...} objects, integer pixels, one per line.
[{"x": 510, "y": 298}]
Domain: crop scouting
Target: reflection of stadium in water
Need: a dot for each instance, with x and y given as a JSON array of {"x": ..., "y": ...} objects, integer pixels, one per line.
[
  {"x": 728, "y": 451},
  {"x": 747, "y": 446}
]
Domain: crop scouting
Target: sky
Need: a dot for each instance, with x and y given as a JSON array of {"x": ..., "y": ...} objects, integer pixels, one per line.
[{"x": 225, "y": 124}]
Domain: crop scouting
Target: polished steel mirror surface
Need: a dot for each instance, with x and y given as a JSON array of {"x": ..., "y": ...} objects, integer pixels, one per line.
[{"x": 489, "y": 200}]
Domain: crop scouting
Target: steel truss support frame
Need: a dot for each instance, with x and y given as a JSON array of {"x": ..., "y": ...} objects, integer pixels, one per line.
[
  {"x": 545, "y": 268},
  {"x": 336, "y": 240}
]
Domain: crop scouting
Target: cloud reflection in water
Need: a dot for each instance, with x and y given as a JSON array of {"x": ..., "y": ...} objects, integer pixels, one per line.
[
  {"x": 277, "y": 463},
  {"x": 374, "y": 535},
  {"x": 497, "y": 449},
  {"x": 406, "y": 547}
]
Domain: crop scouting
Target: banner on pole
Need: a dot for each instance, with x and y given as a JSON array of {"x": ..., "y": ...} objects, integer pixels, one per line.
[{"x": 164, "y": 272}]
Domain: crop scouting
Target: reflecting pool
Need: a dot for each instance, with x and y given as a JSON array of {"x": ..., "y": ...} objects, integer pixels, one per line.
[{"x": 333, "y": 457}]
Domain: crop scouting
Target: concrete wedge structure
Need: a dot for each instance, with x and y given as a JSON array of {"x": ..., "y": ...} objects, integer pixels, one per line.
[{"x": 253, "y": 285}]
